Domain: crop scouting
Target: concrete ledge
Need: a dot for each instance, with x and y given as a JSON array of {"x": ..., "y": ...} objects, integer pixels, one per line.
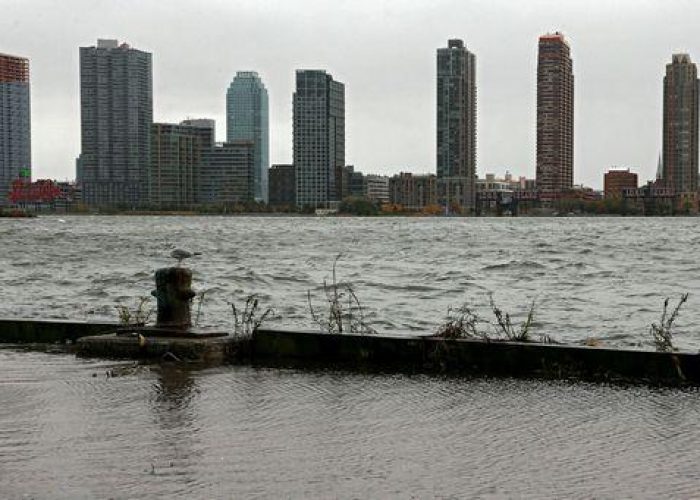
[
  {"x": 27, "y": 330},
  {"x": 210, "y": 350},
  {"x": 430, "y": 354}
]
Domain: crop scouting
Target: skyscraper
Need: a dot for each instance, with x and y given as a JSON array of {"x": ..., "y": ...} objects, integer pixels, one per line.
[
  {"x": 15, "y": 123},
  {"x": 177, "y": 157},
  {"x": 247, "y": 119},
  {"x": 319, "y": 137},
  {"x": 680, "y": 125},
  {"x": 456, "y": 125},
  {"x": 116, "y": 112},
  {"x": 555, "y": 116}
]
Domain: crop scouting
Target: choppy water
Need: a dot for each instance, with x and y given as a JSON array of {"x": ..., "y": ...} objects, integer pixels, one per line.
[
  {"x": 591, "y": 277},
  {"x": 69, "y": 430}
]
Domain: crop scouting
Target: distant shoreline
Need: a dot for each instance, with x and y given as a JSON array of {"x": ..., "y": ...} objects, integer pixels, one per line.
[{"x": 155, "y": 213}]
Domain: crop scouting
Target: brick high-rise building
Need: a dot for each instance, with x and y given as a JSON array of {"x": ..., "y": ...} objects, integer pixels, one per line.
[
  {"x": 15, "y": 123},
  {"x": 680, "y": 125},
  {"x": 555, "y": 116},
  {"x": 319, "y": 137},
  {"x": 456, "y": 125},
  {"x": 116, "y": 114}
]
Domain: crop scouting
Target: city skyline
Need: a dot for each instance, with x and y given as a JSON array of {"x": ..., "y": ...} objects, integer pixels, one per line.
[{"x": 391, "y": 120}]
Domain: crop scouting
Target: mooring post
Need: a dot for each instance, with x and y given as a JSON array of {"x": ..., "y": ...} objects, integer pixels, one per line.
[{"x": 174, "y": 295}]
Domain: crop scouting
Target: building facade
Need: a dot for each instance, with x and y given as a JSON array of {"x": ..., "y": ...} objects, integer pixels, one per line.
[
  {"x": 205, "y": 128},
  {"x": 319, "y": 137},
  {"x": 680, "y": 125},
  {"x": 377, "y": 188},
  {"x": 456, "y": 125},
  {"x": 555, "y": 117},
  {"x": 227, "y": 175},
  {"x": 413, "y": 192},
  {"x": 282, "y": 186},
  {"x": 15, "y": 124},
  {"x": 177, "y": 153},
  {"x": 616, "y": 181},
  {"x": 116, "y": 114},
  {"x": 247, "y": 119}
]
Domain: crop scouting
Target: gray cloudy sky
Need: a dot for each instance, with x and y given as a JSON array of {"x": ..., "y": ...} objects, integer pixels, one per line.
[{"x": 384, "y": 52}]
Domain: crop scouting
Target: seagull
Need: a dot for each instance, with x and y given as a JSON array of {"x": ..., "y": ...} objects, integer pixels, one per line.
[{"x": 181, "y": 255}]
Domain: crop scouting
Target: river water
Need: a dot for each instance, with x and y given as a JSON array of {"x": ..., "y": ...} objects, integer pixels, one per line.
[{"x": 73, "y": 428}]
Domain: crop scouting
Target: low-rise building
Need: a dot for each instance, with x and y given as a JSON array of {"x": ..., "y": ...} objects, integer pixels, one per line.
[
  {"x": 376, "y": 188},
  {"x": 617, "y": 180},
  {"x": 413, "y": 192},
  {"x": 495, "y": 195},
  {"x": 651, "y": 199},
  {"x": 282, "y": 186},
  {"x": 227, "y": 174},
  {"x": 44, "y": 195}
]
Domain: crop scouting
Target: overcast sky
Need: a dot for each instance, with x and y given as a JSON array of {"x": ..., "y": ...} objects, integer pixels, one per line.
[{"x": 384, "y": 51}]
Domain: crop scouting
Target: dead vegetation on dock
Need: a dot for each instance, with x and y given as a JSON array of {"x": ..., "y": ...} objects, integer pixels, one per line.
[
  {"x": 139, "y": 315},
  {"x": 662, "y": 333},
  {"x": 342, "y": 311},
  {"x": 248, "y": 319},
  {"x": 463, "y": 322}
]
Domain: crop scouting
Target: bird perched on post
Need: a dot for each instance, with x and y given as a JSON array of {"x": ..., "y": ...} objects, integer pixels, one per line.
[{"x": 181, "y": 255}]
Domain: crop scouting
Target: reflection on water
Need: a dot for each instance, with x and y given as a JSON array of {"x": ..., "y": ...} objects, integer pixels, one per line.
[{"x": 69, "y": 430}]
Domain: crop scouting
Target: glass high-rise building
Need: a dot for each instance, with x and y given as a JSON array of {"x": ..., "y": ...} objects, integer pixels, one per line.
[
  {"x": 116, "y": 114},
  {"x": 456, "y": 125},
  {"x": 319, "y": 137},
  {"x": 247, "y": 119},
  {"x": 680, "y": 125},
  {"x": 15, "y": 123},
  {"x": 555, "y": 116}
]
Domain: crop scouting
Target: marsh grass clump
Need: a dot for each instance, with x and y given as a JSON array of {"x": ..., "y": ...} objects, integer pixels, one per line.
[
  {"x": 201, "y": 298},
  {"x": 140, "y": 315},
  {"x": 461, "y": 322},
  {"x": 345, "y": 312},
  {"x": 247, "y": 321},
  {"x": 521, "y": 334},
  {"x": 662, "y": 333}
]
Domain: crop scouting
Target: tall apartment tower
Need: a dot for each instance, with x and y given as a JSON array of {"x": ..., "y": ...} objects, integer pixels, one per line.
[
  {"x": 319, "y": 137},
  {"x": 456, "y": 125},
  {"x": 555, "y": 116},
  {"x": 116, "y": 114},
  {"x": 177, "y": 157},
  {"x": 15, "y": 123},
  {"x": 247, "y": 119},
  {"x": 680, "y": 125}
]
